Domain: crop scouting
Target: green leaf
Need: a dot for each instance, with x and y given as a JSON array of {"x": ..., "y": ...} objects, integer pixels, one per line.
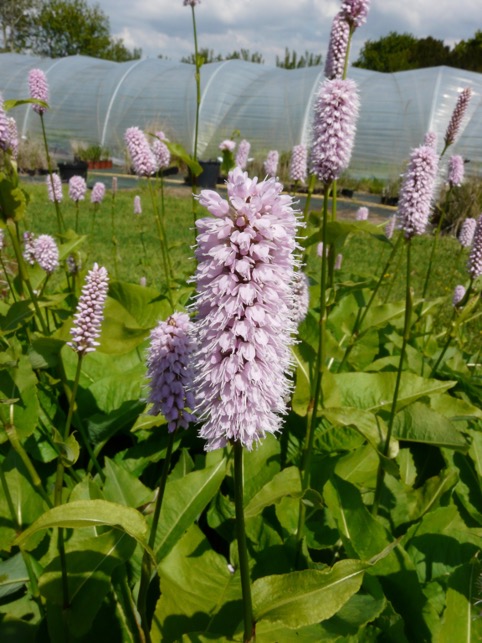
[
  {"x": 90, "y": 565},
  {"x": 374, "y": 391},
  {"x": 213, "y": 600},
  {"x": 89, "y": 513},
  {"x": 260, "y": 465},
  {"x": 459, "y": 622},
  {"x": 178, "y": 150},
  {"x": 122, "y": 487},
  {"x": 184, "y": 500},
  {"x": 20, "y": 383},
  {"x": 285, "y": 483},
  {"x": 13, "y": 200},
  {"x": 366, "y": 423},
  {"x": 418, "y": 423},
  {"x": 307, "y": 597},
  {"x": 16, "y": 102},
  {"x": 142, "y": 303},
  {"x": 18, "y": 314},
  {"x": 13, "y": 575}
]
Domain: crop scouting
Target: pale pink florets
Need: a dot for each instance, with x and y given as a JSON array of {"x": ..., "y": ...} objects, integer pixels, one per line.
[
  {"x": 390, "y": 227},
  {"x": 271, "y": 163},
  {"x": 242, "y": 155},
  {"x": 191, "y": 3},
  {"x": 355, "y": 12},
  {"x": 38, "y": 88},
  {"x": 475, "y": 258},
  {"x": 430, "y": 139},
  {"x": 466, "y": 234},
  {"x": 417, "y": 190},
  {"x": 28, "y": 247},
  {"x": 244, "y": 309},
  {"x": 137, "y": 205},
  {"x": 160, "y": 150},
  {"x": 459, "y": 294},
  {"x": 46, "y": 253},
  {"x": 337, "y": 47},
  {"x": 301, "y": 296},
  {"x": 143, "y": 160},
  {"x": 456, "y": 171},
  {"x": 227, "y": 145},
  {"x": 334, "y": 128},
  {"x": 458, "y": 114},
  {"x": 170, "y": 371},
  {"x": 13, "y": 137},
  {"x": 4, "y": 128},
  {"x": 90, "y": 311},
  {"x": 55, "y": 192},
  {"x": 362, "y": 214},
  {"x": 77, "y": 188},
  {"x": 298, "y": 165},
  {"x": 98, "y": 193}
]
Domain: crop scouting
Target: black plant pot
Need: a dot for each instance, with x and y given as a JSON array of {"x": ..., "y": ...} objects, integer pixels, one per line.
[
  {"x": 208, "y": 177},
  {"x": 68, "y": 169}
]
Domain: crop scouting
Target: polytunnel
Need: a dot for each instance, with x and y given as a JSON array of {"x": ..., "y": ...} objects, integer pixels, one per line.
[{"x": 94, "y": 101}]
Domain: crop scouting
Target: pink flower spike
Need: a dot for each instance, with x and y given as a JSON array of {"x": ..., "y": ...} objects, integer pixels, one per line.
[
  {"x": 4, "y": 128},
  {"x": 466, "y": 234},
  {"x": 90, "y": 311},
  {"x": 191, "y": 3},
  {"x": 430, "y": 140},
  {"x": 456, "y": 171},
  {"x": 355, "y": 12},
  {"x": 55, "y": 193},
  {"x": 459, "y": 294},
  {"x": 475, "y": 259},
  {"x": 46, "y": 253},
  {"x": 160, "y": 150},
  {"x": 243, "y": 154},
  {"x": 362, "y": 214},
  {"x": 28, "y": 247},
  {"x": 143, "y": 160},
  {"x": 39, "y": 89},
  {"x": 457, "y": 117},
  {"x": 337, "y": 47},
  {"x": 244, "y": 320},
  {"x": 271, "y": 163},
  {"x": 98, "y": 193},
  {"x": 417, "y": 190},
  {"x": 77, "y": 188},
  {"x": 334, "y": 128},
  {"x": 298, "y": 165},
  {"x": 170, "y": 372},
  {"x": 137, "y": 205}
]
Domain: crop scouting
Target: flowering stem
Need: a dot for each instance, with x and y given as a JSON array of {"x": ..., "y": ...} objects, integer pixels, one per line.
[
  {"x": 198, "y": 105},
  {"x": 406, "y": 336},
  {"x": 361, "y": 318},
  {"x": 249, "y": 625},
  {"x": 114, "y": 238},
  {"x": 450, "y": 333},
  {"x": 23, "y": 274},
  {"x": 317, "y": 396},
  {"x": 309, "y": 194},
  {"x": 60, "y": 220},
  {"x": 76, "y": 216},
  {"x": 146, "y": 560},
  {"x": 432, "y": 254},
  {"x": 7, "y": 277},
  {"x": 163, "y": 243}
]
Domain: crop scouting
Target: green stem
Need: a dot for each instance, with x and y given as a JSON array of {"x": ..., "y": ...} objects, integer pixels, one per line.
[
  {"x": 317, "y": 394},
  {"x": 146, "y": 560},
  {"x": 60, "y": 465},
  {"x": 347, "y": 55},
  {"x": 7, "y": 277},
  {"x": 361, "y": 318},
  {"x": 23, "y": 274},
  {"x": 114, "y": 238},
  {"x": 198, "y": 105},
  {"x": 249, "y": 625},
  {"x": 60, "y": 220},
  {"x": 393, "y": 410},
  {"x": 163, "y": 243}
]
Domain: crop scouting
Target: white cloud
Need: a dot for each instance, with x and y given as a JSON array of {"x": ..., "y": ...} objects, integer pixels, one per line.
[{"x": 268, "y": 26}]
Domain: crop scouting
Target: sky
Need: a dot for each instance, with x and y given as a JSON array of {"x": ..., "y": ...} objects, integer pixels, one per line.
[{"x": 269, "y": 26}]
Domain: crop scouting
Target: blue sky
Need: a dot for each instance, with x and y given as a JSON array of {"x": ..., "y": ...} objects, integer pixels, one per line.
[{"x": 268, "y": 26}]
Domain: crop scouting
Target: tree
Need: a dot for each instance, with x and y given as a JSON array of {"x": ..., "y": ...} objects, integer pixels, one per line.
[
  {"x": 14, "y": 20},
  {"x": 245, "y": 54},
  {"x": 293, "y": 60},
  {"x": 467, "y": 54},
  {"x": 208, "y": 56},
  {"x": 69, "y": 27}
]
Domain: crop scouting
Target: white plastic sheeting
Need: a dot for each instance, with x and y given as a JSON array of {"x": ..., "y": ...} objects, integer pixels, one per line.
[{"x": 93, "y": 101}]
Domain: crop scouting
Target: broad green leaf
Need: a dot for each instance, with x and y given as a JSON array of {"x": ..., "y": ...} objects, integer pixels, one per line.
[
  {"x": 418, "y": 423},
  {"x": 364, "y": 534},
  {"x": 141, "y": 302},
  {"x": 383, "y": 314},
  {"x": 13, "y": 575},
  {"x": 302, "y": 394},
  {"x": 89, "y": 513},
  {"x": 309, "y": 596},
  {"x": 17, "y": 315},
  {"x": 359, "y": 467},
  {"x": 124, "y": 488},
  {"x": 368, "y": 424},
  {"x": 213, "y": 600},
  {"x": 13, "y": 201},
  {"x": 260, "y": 465},
  {"x": 460, "y": 622},
  {"x": 475, "y": 450},
  {"x": 454, "y": 408},
  {"x": 20, "y": 383},
  {"x": 467, "y": 489},
  {"x": 178, "y": 150},
  {"x": 184, "y": 500},
  {"x": 285, "y": 483},
  {"x": 374, "y": 391},
  {"x": 120, "y": 331},
  {"x": 16, "y": 102}
]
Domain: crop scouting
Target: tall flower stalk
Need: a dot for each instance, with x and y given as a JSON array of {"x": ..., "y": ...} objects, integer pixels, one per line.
[
  {"x": 244, "y": 325},
  {"x": 170, "y": 382},
  {"x": 39, "y": 90},
  {"x": 416, "y": 194}
]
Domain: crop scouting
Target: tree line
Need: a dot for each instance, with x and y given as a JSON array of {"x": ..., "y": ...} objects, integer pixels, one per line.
[{"x": 57, "y": 28}]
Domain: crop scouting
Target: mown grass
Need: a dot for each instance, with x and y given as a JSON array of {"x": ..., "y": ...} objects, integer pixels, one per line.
[{"x": 362, "y": 253}]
